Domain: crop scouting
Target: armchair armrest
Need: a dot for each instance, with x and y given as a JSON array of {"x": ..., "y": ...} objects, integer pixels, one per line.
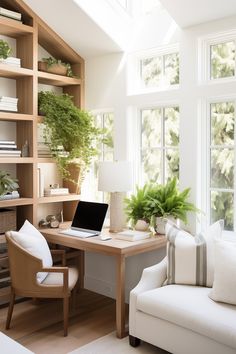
[
  {"x": 153, "y": 277},
  {"x": 62, "y": 253},
  {"x": 64, "y": 271}
]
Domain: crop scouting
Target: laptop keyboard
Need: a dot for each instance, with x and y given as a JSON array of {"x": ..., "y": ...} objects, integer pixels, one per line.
[{"x": 77, "y": 233}]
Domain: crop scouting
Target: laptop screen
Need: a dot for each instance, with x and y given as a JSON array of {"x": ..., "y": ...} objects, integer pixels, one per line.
[{"x": 90, "y": 215}]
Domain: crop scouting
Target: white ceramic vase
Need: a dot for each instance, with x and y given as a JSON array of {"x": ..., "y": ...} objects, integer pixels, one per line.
[{"x": 161, "y": 224}]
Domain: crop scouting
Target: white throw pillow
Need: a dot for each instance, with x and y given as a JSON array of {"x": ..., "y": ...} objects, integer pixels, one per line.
[
  {"x": 191, "y": 259},
  {"x": 224, "y": 286},
  {"x": 33, "y": 241}
]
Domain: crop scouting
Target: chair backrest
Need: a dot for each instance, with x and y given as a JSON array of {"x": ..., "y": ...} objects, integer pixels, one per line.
[{"x": 23, "y": 267}]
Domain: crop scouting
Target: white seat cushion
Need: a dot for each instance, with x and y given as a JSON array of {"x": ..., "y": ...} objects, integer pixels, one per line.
[
  {"x": 57, "y": 278},
  {"x": 190, "y": 307},
  {"x": 33, "y": 241}
]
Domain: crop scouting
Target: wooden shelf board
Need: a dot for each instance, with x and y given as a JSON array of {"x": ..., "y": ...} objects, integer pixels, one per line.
[
  {"x": 16, "y": 160},
  {"x": 16, "y": 202},
  {"x": 45, "y": 160},
  {"x": 13, "y": 28},
  {"x": 9, "y": 116},
  {"x": 14, "y": 72},
  {"x": 57, "y": 80},
  {"x": 59, "y": 198}
]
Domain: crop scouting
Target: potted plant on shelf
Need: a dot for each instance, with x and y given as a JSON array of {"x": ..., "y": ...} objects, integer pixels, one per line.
[
  {"x": 5, "y": 50},
  {"x": 70, "y": 134},
  {"x": 167, "y": 202},
  {"x": 8, "y": 186},
  {"x": 55, "y": 66}
]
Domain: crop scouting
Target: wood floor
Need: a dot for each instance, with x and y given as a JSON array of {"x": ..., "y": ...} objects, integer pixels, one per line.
[{"x": 39, "y": 327}]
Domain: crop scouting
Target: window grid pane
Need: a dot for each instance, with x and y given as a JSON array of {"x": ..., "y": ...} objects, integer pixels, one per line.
[
  {"x": 222, "y": 162},
  {"x": 159, "y": 144},
  {"x": 222, "y": 60}
]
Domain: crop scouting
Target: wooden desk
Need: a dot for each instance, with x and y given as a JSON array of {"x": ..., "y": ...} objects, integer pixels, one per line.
[{"x": 118, "y": 248}]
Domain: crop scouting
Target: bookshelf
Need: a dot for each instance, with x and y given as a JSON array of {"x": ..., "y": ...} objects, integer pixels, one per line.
[{"x": 28, "y": 36}]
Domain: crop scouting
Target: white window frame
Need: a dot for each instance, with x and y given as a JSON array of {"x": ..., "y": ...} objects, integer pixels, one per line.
[
  {"x": 206, "y": 161},
  {"x": 204, "y": 56},
  {"x": 137, "y": 147},
  {"x": 135, "y": 84}
]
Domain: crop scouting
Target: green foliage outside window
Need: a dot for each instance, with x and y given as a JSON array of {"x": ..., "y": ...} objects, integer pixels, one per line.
[{"x": 222, "y": 60}]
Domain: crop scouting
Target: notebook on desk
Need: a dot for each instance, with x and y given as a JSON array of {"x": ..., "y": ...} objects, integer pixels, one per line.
[{"x": 88, "y": 220}]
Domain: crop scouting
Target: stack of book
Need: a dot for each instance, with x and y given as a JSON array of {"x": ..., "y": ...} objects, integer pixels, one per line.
[
  {"x": 43, "y": 150},
  {"x": 133, "y": 235},
  {"x": 12, "y": 61},
  {"x": 10, "y": 14},
  {"x": 9, "y": 149},
  {"x": 8, "y": 103},
  {"x": 51, "y": 192}
]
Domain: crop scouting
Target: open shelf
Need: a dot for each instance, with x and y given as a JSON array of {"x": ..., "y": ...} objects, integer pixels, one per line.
[
  {"x": 59, "y": 198},
  {"x": 15, "y": 202},
  {"x": 16, "y": 160},
  {"x": 14, "y": 28},
  {"x": 14, "y": 72},
  {"x": 57, "y": 80},
  {"x": 9, "y": 116}
]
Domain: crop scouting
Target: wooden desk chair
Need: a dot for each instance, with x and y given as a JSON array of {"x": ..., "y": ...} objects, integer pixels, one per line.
[{"x": 24, "y": 267}]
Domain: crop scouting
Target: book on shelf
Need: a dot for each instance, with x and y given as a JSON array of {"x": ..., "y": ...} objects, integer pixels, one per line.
[
  {"x": 8, "y": 152},
  {"x": 12, "y": 195},
  {"x": 11, "y": 61},
  {"x": 8, "y": 147},
  {"x": 9, "y": 13},
  {"x": 49, "y": 192},
  {"x": 7, "y": 142},
  {"x": 8, "y": 99},
  {"x": 133, "y": 235}
]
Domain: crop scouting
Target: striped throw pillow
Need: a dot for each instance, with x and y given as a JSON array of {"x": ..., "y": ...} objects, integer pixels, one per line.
[{"x": 191, "y": 258}]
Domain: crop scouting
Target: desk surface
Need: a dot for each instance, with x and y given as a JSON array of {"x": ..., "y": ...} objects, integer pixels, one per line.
[{"x": 113, "y": 246}]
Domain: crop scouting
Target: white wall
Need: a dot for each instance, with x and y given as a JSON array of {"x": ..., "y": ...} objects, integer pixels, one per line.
[{"x": 106, "y": 85}]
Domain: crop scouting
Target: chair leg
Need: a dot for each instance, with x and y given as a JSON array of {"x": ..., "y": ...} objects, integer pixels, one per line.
[
  {"x": 10, "y": 309},
  {"x": 134, "y": 341},
  {"x": 65, "y": 314}
]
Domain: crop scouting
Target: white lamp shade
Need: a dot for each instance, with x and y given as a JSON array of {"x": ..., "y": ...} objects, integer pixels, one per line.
[{"x": 115, "y": 176}]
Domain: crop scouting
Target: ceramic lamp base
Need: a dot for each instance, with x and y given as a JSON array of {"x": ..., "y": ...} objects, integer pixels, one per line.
[{"x": 117, "y": 216}]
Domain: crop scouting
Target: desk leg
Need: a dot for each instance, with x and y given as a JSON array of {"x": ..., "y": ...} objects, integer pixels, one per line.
[
  {"x": 81, "y": 269},
  {"x": 120, "y": 297}
]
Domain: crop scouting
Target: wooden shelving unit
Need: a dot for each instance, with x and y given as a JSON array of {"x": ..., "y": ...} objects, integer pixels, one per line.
[{"x": 28, "y": 36}]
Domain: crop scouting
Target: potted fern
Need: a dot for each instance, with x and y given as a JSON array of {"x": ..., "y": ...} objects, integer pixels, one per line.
[
  {"x": 70, "y": 134},
  {"x": 167, "y": 202},
  {"x": 7, "y": 184}
]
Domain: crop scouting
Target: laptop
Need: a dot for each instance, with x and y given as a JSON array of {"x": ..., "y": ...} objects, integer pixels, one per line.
[{"x": 88, "y": 220}]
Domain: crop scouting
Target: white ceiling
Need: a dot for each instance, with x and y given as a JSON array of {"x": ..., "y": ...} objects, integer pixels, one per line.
[
  {"x": 192, "y": 12},
  {"x": 74, "y": 26}
]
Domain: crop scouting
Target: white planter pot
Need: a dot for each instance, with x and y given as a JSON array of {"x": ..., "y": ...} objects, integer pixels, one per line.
[
  {"x": 161, "y": 224},
  {"x": 141, "y": 225}
]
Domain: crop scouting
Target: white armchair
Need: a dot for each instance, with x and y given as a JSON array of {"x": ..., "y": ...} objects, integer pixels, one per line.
[{"x": 181, "y": 319}]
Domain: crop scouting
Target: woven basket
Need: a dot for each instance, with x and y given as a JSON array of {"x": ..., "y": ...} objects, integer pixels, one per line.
[
  {"x": 58, "y": 69},
  {"x": 7, "y": 220}
]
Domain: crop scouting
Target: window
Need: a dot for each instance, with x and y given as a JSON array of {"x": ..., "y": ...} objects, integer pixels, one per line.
[
  {"x": 159, "y": 144},
  {"x": 159, "y": 71},
  {"x": 222, "y": 162},
  {"x": 222, "y": 60},
  {"x": 105, "y": 121}
]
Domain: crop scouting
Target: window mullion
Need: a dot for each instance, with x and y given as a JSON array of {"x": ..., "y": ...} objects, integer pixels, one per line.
[{"x": 163, "y": 157}]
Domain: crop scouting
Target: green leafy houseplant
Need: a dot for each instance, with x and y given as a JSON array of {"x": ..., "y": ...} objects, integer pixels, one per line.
[
  {"x": 68, "y": 127},
  {"x": 154, "y": 200},
  {"x": 135, "y": 205},
  {"x": 51, "y": 62},
  {"x": 5, "y": 49},
  {"x": 7, "y": 184},
  {"x": 166, "y": 200}
]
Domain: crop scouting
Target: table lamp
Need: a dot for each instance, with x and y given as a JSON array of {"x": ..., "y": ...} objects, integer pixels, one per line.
[{"x": 116, "y": 178}]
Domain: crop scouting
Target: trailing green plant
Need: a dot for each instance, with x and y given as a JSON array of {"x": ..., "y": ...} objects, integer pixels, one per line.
[
  {"x": 7, "y": 183},
  {"x": 52, "y": 61},
  {"x": 5, "y": 49},
  {"x": 69, "y": 131},
  {"x": 166, "y": 200},
  {"x": 135, "y": 205}
]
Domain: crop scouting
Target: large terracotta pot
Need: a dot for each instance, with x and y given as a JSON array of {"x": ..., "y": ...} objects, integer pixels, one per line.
[{"x": 75, "y": 178}]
